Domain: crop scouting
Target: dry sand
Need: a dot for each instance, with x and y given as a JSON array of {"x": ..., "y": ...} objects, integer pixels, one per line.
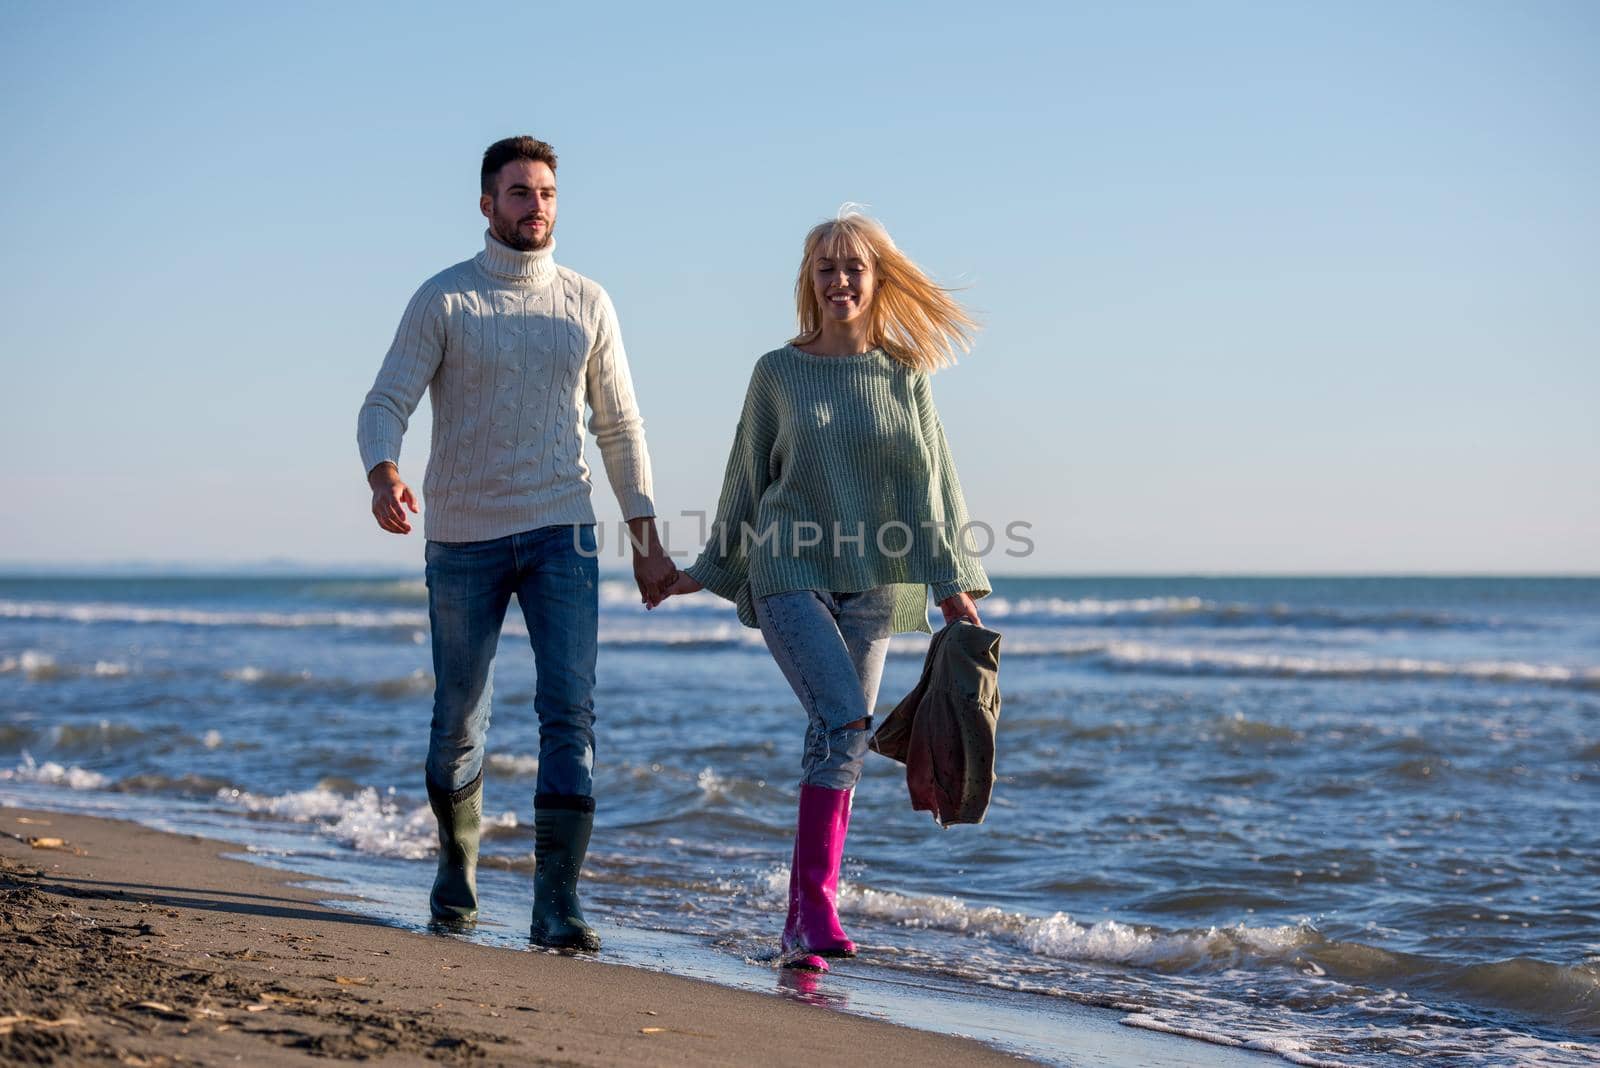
[{"x": 125, "y": 945}]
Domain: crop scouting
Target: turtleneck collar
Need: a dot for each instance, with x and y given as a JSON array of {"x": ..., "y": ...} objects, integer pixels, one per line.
[{"x": 518, "y": 268}]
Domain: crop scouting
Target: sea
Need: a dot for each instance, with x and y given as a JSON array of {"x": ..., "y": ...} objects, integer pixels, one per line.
[{"x": 1336, "y": 821}]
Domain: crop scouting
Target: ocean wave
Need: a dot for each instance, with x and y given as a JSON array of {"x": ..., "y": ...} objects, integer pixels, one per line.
[
  {"x": 1093, "y": 608},
  {"x": 381, "y": 591},
  {"x": 190, "y": 785},
  {"x": 714, "y": 787},
  {"x": 101, "y": 734},
  {"x": 1060, "y": 937},
  {"x": 721, "y": 635},
  {"x": 42, "y": 667},
  {"x": 104, "y": 736},
  {"x": 612, "y": 592},
  {"x": 53, "y": 774},
  {"x": 417, "y": 683},
  {"x": 1175, "y": 611},
  {"x": 512, "y": 764},
  {"x": 716, "y": 631},
  {"x": 366, "y": 821},
  {"x": 1294, "y": 1050},
  {"x": 617, "y": 592},
  {"x": 1565, "y": 995},
  {"x": 31, "y": 664},
  {"x": 108, "y": 612},
  {"x": 1179, "y": 660}
]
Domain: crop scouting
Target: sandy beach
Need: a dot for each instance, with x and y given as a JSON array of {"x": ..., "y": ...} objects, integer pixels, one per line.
[{"x": 128, "y": 945}]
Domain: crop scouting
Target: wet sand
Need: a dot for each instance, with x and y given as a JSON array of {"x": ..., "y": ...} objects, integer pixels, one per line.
[{"x": 124, "y": 945}]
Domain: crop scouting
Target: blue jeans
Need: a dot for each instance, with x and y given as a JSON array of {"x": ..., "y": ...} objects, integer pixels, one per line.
[
  {"x": 554, "y": 571},
  {"x": 831, "y": 647}
]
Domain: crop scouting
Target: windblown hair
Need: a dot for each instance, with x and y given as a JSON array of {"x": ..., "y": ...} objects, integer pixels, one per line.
[
  {"x": 507, "y": 149},
  {"x": 912, "y": 318}
]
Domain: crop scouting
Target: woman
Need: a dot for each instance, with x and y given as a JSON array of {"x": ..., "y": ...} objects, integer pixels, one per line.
[{"x": 839, "y": 508}]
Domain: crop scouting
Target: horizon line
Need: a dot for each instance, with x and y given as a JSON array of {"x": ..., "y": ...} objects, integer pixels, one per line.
[{"x": 308, "y": 569}]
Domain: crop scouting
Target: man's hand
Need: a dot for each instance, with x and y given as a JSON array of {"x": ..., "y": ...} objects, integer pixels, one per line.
[
  {"x": 653, "y": 569},
  {"x": 959, "y": 606},
  {"x": 390, "y": 498}
]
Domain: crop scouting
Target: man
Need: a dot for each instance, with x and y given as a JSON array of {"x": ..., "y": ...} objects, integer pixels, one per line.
[{"x": 510, "y": 347}]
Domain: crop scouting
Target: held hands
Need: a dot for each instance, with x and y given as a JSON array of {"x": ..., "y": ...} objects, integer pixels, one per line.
[
  {"x": 653, "y": 574},
  {"x": 679, "y": 583},
  {"x": 959, "y": 606},
  {"x": 653, "y": 570},
  {"x": 683, "y": 583},
  {"x": 390, "y": 498}
]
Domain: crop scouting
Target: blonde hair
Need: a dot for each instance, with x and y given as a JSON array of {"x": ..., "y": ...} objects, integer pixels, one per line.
[{"x": 912, "y": 318}]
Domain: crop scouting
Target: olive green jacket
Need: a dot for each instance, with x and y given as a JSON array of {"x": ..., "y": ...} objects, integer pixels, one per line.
[{"x": 944, "y": 729}]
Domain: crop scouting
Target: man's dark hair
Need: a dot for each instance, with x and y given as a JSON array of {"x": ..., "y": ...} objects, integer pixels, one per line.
[{"x": 504, "y": 151}]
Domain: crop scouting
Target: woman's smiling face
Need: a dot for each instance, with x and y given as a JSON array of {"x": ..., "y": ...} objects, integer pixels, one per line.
[{"x": 844, "y": 284}]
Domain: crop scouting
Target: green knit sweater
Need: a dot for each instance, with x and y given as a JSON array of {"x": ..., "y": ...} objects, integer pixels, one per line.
[{"x": 840, "y": 480}]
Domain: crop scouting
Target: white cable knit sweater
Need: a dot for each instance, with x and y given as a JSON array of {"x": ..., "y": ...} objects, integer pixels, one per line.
[{"x": 510, "y": 347}]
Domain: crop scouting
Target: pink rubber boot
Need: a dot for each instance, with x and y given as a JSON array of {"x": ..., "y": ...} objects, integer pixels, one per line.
[{"x": 812, "y": 930}]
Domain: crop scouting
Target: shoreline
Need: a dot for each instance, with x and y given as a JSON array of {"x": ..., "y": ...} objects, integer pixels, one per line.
[{"x": 136, "y": 945}]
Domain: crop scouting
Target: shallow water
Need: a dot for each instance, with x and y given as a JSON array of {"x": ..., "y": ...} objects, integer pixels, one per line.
[{"x": 1341, "y": 820}]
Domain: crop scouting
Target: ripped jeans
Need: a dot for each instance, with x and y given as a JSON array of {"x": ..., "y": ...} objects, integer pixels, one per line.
[{"x": 831, "y": 647}]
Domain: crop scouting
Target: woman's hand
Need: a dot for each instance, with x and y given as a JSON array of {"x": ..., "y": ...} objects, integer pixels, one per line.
[
  {"x": 681, "y": 583},
  {"x": 959, "y": 606}
]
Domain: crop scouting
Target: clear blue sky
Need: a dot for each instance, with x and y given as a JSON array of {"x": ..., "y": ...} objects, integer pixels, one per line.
[{"x": 1290, "y": 286}]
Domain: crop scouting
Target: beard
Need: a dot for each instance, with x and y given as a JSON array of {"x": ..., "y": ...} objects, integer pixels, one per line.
[{"x": 507, "y": 230}]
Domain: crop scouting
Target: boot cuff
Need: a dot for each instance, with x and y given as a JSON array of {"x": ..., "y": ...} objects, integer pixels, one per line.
[
  {"x": 568, "y": 802},
  {"x": 455, "y": 797}
]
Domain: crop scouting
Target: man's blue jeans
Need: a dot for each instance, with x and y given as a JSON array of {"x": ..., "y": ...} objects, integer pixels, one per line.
[{"x": 554, "y": 571}]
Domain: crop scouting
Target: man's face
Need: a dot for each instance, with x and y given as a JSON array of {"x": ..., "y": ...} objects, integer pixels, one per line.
[{"x": 522, "y": 211}]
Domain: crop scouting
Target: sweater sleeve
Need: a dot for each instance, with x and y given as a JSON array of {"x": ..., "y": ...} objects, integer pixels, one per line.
[
  {"x": 967, "y": 571},
  {"x": 411, "y": 363},
  {"x": 614, "y": 418},
  {"x": 723, "y": 567}
]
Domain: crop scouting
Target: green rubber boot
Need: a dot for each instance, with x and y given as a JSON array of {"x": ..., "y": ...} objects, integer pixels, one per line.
[
  {"x": 454, "y": 900},
  {"x": 560, "y": 840}
]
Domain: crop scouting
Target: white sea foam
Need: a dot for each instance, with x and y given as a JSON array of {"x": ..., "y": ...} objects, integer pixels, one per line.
[
  {"x": 680, "y": 635},
  {"x": 711, "y": 784},
  {"x": 1060, "y": 936},
  {"x": 106, "y": 612},
  {"x": 301, "y": 806},
  {"x": 1293, "y": 1050},
  {"x": 366, "y": 821},
  {"x": 1147, "y": 656},
  {"x": 1139, "y": 654},
  {"x": 29, "y": 662},
  {"x": 417, "y": 682},
  {"x": 39, "y": 666},
  {"x": 1060, "y": 607},
  {"x": 617, "y": 592},
  {"x": 402, "y": 590},
  {"x": 513, "y": 763},
  {"x": 1165, "y": 610},
  {"x": 1188, "y": 1011},
  {"x": 74, "y": 778}
]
